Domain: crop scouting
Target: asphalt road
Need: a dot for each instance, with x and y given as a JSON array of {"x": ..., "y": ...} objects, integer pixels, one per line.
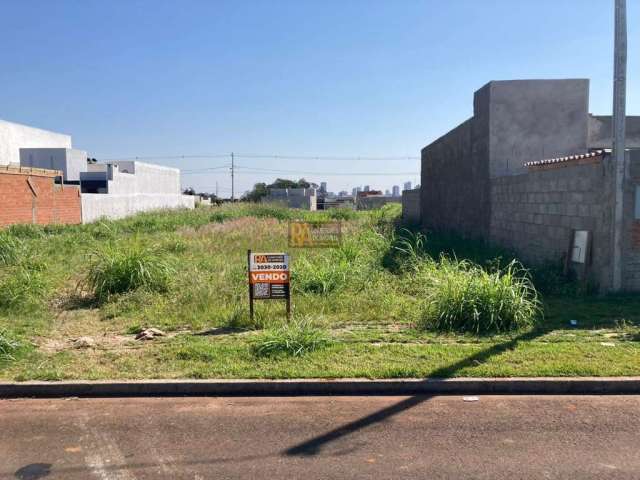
[{"x": 321, "y": 437}]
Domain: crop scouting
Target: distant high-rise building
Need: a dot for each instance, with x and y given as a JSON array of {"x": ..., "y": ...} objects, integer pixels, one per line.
[
  {"x": 358, "y": 189},
  {"x": 354, "y": 191},
  {"x": 343, "y": 193},
  {"x": 407, "y": 185},
  {"x": 387, "y": 192},
  {"x": 395, "y": 191},
  {"x": 366, "y": 188},
  {"x": 323, "y": 187}
]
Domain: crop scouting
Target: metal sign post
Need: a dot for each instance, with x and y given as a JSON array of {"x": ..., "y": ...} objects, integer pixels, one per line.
[{"x": 269, "y": 278}]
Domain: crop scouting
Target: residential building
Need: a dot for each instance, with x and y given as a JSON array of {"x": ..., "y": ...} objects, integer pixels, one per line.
[
  {"x": 14, "y": 136},
  {"x": 395, "y": 191},
  {"x": 303, "y": 198},
  {"x": 110, "y": 190},
  {"x": 118, "y": 189}
]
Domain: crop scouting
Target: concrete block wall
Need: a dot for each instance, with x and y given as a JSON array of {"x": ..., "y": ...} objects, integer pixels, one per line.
[
  {"x": 302, "y": 198},
  {"x": 31, "y": 196},
  {"x": 536, "y": 119},
  {"x": 455, "y": 193},
  {"x": 151, "y": 178},
  {"x": 96, "y": 205},
  {"x": 411, "y": 206},
  {"x": 600, "y": 129},
  {"x": 535, "y": 213},
  {"x": 375, "y": 202},
  {"x": 69, "y": 160},
  {"x": 631, "y": 242},
  {"x": 14, "y": 136}
]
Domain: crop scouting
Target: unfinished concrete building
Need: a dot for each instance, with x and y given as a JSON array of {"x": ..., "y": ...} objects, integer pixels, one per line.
[
  {"x": 488, "y": 178},
  {"x": 303, "y": 198}
]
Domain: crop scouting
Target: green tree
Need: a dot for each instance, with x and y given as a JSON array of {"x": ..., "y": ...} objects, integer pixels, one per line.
[{"x": 261, "y": 190}]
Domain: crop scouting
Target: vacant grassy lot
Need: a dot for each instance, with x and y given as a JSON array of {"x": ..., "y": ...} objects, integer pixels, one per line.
[{"x": 359, "y": 311}]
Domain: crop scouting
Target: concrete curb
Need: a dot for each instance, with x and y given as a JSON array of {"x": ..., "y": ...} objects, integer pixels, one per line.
[{"x": 299, "y": 387}]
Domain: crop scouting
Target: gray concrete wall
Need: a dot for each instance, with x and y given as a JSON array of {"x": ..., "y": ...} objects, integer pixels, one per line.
[
  {"x": 113, "y": 206},
  {"x": 535, "y": 213},
  {"x": 302, "y": 198},
  {"x": 132, "y": 187},
  {"x": 411, "y": 207},
  {"x": 373, "y": 202},
  {"x": 455, "y": 193},
  {"x": 152, "y": 179},
  {"x": 69, "y": 160},
  {"x": 536, "y": 119},
  {"x": 14, "y": 136},
  {"x": 600, "y": 132},
  {"x": 631, "y": 241}
]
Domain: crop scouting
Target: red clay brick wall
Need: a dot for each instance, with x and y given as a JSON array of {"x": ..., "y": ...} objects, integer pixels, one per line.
[{"x": 50, "y": 204}]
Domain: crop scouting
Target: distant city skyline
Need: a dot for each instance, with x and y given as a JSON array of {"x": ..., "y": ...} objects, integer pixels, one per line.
[{"x": 394, "y": 190}]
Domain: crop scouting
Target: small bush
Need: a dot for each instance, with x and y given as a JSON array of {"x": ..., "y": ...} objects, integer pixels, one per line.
[
  {"x": 8, "y": 345},
  {"x": 22, "y": 288},
  {"x": 341, "y": 214},
  {"x": 292, "y": 339},
  {"x": 114, "y": 271},
  {"x": 175, "y": 245},
  {"x": 269, "y": 211},
  {"x": 218, "y": 217},
  {"x": 464, "y": 297},
  {"x": 11, "y": 249},
  {"x": 550, "y": 279},
  {"x": 26, "y": 231}
]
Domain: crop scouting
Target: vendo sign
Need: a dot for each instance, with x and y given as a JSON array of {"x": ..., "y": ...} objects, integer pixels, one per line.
[{"x": 268, "y": 278}]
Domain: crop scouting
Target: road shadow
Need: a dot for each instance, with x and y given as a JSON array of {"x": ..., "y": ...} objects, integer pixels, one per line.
[
  {"x": 314, "y": 445},
  {"x": 220, "y": 331},
  {"x": 33, "y": 471}
]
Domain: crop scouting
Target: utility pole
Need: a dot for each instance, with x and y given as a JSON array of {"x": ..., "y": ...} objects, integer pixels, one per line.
[
  {"x": 232, "y": 181},
  {"x": 618, "y": 134}
]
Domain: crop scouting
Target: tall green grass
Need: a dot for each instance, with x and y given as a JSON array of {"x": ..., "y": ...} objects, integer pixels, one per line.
[
  {"x": 463, "y": 297},
  {"x": 22, "y": 288},
  {"x": 291, "y": 339},
  {"x": 8, "y": 345},
  {"x": 321, "y": 275},
  {"x": 116, "y": 270},
  {"x": 11, "y": 249}
]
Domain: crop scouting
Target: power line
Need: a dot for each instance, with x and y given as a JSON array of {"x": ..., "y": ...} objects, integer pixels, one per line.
[
  {"x": 163, "y": 157},
  {"x": 202, "y": 170},
  {"x": 320, "y": 157},
  {"x": 304, "y": 172}
]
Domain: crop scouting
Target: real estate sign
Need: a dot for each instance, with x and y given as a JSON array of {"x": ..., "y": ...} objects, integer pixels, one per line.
[{"x": 268, "y": 278}]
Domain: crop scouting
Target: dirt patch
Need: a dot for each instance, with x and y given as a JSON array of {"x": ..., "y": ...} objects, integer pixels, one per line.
[{"x": 102, "y": 342}]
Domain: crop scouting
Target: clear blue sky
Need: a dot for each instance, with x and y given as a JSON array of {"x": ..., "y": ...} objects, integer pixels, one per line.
[{"x": 330, "y": 78}]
